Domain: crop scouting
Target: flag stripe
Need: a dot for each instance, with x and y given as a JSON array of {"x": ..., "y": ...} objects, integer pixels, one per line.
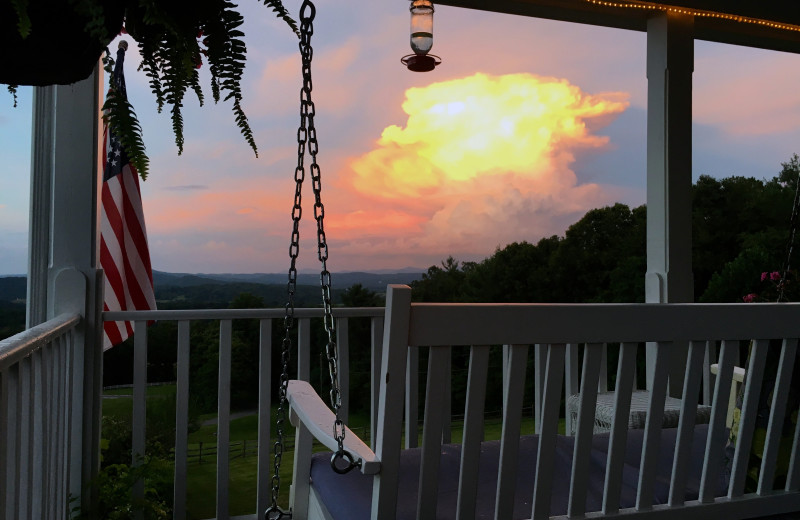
[{"x": 124, "y": 253}]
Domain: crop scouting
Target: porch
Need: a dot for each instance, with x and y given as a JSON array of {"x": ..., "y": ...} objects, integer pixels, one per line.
[
  {"x": 43, "y": 407},
  {"x": 51, "y": 375}
]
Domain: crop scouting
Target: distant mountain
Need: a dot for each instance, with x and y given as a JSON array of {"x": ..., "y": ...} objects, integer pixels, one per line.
[
  {"x": 204, "y": 290},
  {"x": 13, "y": 288},
  {"x": 374, "y": 281}
]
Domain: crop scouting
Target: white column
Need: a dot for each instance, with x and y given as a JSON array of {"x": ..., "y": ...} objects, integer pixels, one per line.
[
  {"x": 670, "y": 63},
  {"x": 63, "y": 259}
]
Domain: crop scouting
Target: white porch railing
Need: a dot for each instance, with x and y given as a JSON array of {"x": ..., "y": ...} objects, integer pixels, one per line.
[
  {"x": 267, "y": 386},
  {"x": 41, "y": 401},
  {"x": 226, "y": 317}
]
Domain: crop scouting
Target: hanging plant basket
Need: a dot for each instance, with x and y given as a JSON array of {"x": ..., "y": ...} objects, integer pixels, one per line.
[{"x": 58, "y": 47}]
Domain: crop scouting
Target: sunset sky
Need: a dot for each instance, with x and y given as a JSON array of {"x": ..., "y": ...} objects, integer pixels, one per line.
[{"x": 525, "y": 126}]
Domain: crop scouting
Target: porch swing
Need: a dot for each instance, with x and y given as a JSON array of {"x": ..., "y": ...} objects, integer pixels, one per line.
[{"x": 654, "y": 472}]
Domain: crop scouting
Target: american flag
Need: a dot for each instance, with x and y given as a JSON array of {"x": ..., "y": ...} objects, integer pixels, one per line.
[{"x": 124, "y": 255}]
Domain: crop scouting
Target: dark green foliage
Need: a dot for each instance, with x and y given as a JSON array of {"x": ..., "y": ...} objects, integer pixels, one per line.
[
  {"x": 742, "y": 222},
  {"x": 172, "y": 37},
  {"x": 601, "y": 259},
  {"x": 12, "y": 319},
  {"x": 13, "y": 288},
  {"x": 92, "y": 11},
  {"x": 23, "y": 20},
  {"x": 115, "y": 500},
  {"x": 282, "y": 13},
  {"x": 120, "y": 117},
  {"x": 173, "y": 43}
]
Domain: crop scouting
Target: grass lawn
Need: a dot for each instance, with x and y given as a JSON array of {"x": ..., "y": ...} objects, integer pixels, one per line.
[{"x": 120, "y": 402}]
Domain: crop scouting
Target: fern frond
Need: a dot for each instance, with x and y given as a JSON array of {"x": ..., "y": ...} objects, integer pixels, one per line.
[
  {"x": 93, "y": 11},
  {"x": 244, "y": 126},
  {"x": 227, "y": 54},
  {"x": 194, "y": 82},
  {"x": 120, "y": 117},
  {"x": 283, "y": 14}
]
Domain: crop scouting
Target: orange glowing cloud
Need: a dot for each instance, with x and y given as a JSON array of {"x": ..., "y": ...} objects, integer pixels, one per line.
[
  {"x": 478, "y": 126},
  {"x": 481, "y": 161}
]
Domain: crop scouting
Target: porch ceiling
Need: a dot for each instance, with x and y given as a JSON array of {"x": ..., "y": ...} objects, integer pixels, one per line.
[{"x": 705, "y": 28}]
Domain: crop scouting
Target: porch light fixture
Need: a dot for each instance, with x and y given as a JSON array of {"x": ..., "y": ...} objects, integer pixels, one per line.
[{"x": 421, "y": 38}]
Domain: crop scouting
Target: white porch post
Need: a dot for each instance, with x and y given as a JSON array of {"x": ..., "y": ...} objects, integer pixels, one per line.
[
  {"x": 63, "y": 266},
  {"x": 670, "y": 63}
]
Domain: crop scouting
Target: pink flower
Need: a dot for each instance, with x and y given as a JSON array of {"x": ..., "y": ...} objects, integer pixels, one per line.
[
  {"x": 764, "y": 276},
  {"x": 775, "y": 276},
  {"x": 750, "y": 298}
]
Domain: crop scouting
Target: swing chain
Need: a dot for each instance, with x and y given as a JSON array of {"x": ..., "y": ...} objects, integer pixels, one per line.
[
  {"x": 307, "y": 136},
  {"x": 307, "y": 114}
]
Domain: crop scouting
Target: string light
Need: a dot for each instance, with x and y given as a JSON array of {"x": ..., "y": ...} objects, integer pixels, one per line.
[{"x": 699, "y": 13}]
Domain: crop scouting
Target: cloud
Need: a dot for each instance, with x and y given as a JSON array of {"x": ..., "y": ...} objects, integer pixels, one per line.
[
  {"x": 743, "y": 90},
  {"x": 480, "y": 162}
]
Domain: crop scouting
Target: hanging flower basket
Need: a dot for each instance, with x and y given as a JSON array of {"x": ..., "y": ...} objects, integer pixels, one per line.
[{"x": 58, "y": 47}]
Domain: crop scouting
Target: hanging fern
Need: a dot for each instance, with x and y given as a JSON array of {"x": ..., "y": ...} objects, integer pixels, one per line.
[
  {"x": 283, "y": 14},
  {"x": 119, "y": 115},
  {"x": 174, "y": 42},
  {"x": 174, "y": 38}
]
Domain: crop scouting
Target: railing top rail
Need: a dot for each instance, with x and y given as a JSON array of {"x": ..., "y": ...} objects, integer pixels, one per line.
[
  {"x": 236, "y": 314},
  {"x": 23, "y": 344},
  {"x": 477, "y": 324}
]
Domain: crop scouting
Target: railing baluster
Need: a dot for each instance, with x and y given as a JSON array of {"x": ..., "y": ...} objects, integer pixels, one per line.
[
  {"x": 432, "y": 433},
  {"x": 8, "y": 448},
  {"x": 37, "y": 441},
  {"x": 223, "y": 418},
  {"x": 715, "y": 442},
  {"x": 412, "y": 398},
  {"x": 75, "y": 416},
  {"x": 593, "y": 354},
  {"x": 626, "y": 371},
  {"x": 139, "y": 403},
  {"x": 708, "y": 378},
  {"x": 304, "y": 349},
  {"x": 793, "y": 477},
  {"x": 686, "y": 422},
  {"x": 473, "y": 432},
  {"x": 343, "y": 347},
  {"x": 509, "y": 440},
  {"x": 58, "y": 453},
  {"x": 744, "y": 440},
  {"x": 571, "y": 381},
  {"x": 447, "y": 400},
  {"x": 25, "y": 452},
  {"x": 652, "y": 428},
  {"x": 376, "y": 347},
  {"x": 181, "y": 421},
  {"x": 539, "y": 362},
  {"x": 264, "y": 414},
  {"x": 766, "y": 475},
  {"x": 551, "y": 404},
  {"x": 50, "y": 432}
]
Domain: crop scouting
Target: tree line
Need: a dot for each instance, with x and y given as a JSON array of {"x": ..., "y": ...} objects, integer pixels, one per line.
[{"x": 740, "y": 229}]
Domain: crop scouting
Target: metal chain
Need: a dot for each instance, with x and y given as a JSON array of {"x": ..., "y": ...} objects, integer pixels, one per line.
[{"x": 307, "y": 137}]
